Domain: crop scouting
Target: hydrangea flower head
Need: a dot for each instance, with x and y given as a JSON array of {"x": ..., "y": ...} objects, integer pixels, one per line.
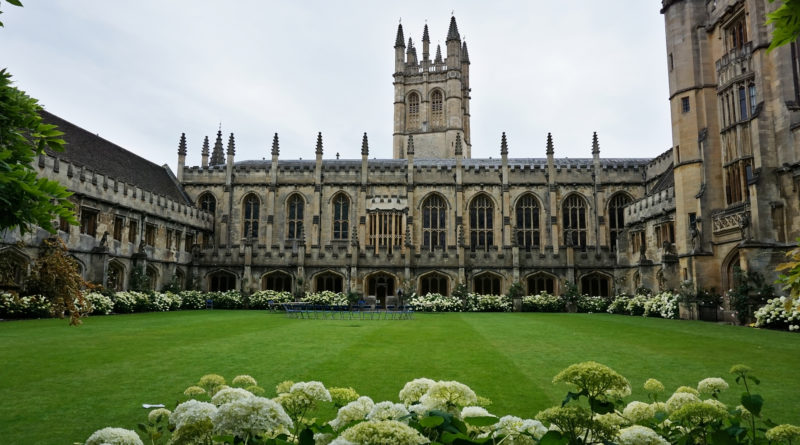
[
  {"x": 687, "y": 390},
  {"x": 640, "y": 435},
  {"x": 414, "y": 390},
  {"x": 251, "y": 416},
  {"x": 383, "y": 432},
  {"x": 283, "y": 386},
  {"x": 388, "y": 411},
  {"x": 784, "y": 433},
  {"x": 353, "y": 411},
  {"x": 698, "y": 413},
  {"x": 193, "y": 391},
  {"x": 712, "y": 385},
  {"x": 211, "y": 383},
  {"x": 637, "y": 412},
  {"x": 191, "y": 412},
  {"x": 474, "y": 411},
  {"x": 595, "y": 378},
  {"x": 228, "y": 395},
  {"x": 158, "y": 414},
  {"x": 516, "y": 430},
  {"x": 243, "y": 381},
  {"x": 679, "y": 399},
  {"x": 653, "y": 386},
  {"x": 446, "y": 395},
  {"x": 114, "y": 436},
  {"x": 342, "y": 396}
]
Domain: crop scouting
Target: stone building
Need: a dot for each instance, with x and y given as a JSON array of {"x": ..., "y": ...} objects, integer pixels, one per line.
[{"x": 432, "y": 217}]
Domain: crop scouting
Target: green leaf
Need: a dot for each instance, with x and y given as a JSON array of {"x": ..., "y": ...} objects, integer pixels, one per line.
[
  {"x": 720, "y": 437},
  {"x": 306, "y": 437},
  {"x": 553, "y": 438},
  {"x": 754, "y": 380},
  {"x": 432, "y": 421},
  {"x": 601, "y": 407},
  {"x": 753, "y": 403},
  {"x": 572, "y": 396},
  {"x": 481, "y": 421},
  {"x": 15, "y": 2}
]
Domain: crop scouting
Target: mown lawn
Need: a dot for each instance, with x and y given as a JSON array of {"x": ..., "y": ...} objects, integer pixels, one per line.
[{"x": 60, "y": 383}]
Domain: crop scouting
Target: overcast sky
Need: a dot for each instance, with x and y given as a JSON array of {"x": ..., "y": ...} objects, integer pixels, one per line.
[{"x": 139, "y": 73}]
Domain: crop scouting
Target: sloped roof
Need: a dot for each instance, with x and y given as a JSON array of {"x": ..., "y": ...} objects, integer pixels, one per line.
[
  {"x": 86, "y": 149},
  {"x": 666, "y": 181}
]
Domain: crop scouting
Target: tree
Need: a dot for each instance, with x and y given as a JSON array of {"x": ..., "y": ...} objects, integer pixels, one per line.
[
  {"x": 55, "y": 276},
  {"x": 787, "y": 23},
  {"x": 13, "y": 2}
]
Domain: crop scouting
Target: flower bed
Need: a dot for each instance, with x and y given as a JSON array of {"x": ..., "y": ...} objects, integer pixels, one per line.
[
  {"x": 449, "y": 412},
  {"x": 435, "y": 303},
  {"x": 487, "y": 303},
  {"x": 325, "y": 298},
  {"x": 263, "y": 298},
  {"x": 543, "y": 302},
  {"x": 779, "y": 313}
]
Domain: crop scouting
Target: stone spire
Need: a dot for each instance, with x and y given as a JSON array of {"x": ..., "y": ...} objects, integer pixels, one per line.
[
  {"x": 410, "y": 149},
  {"x": 464, "y": 53},
  {"x": 595, "y": 145},
  {"x": 459, "y": 150},
  {"x": 276, "y": 149},
  {"x": 204, "y": 153},
  {"x": 426, "y": 44},
  {"x": 425, "y": 37},
  {"x": 503, "y": 145},
  {"x": 364, "y": 145},
  {"x": 182, "y": 145},
  {"x": 411, "y": 52},
  {"x": 319, "y": 144},
  {"x": 452, "y": 32},
  {"x": 550, "y": 150},
  {"x": 438, "y": 58},
  {"x": 217, "y": 157},
  {"x": 231, "y": 146},
  {"x": 400, "y": 40}
]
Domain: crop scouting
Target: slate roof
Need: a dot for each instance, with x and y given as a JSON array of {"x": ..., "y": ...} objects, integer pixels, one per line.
[
  {"x": 666, "y": 181},
  {"x": 84, "y": 148}
]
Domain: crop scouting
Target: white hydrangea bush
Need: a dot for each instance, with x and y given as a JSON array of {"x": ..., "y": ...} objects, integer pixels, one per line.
[{"x": 779, "y": 313}]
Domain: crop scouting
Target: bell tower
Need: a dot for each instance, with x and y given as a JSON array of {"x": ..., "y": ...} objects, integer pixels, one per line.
[{"x": 431, "y": 96}]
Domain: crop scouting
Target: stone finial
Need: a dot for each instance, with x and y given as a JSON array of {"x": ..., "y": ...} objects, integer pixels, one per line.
[
  {"x": 595, "y": 144},
  {"x": 459, "y": 150},
  {"x": 276, "y": 149},
  {"x": 400, "y": 40},
  {"x": 464, "y": 53},
  {"x": 425, "y": 37},
  {"x": 205, "y": 147},
  {"x": 182, "y": 145},
  {"x": 319, "y": 144},
  {"x": 550, "y": 149},
  {"x": 438, "y": 58},
  {"x": 452, "y": 32},
  {"x": 407, "y": 237},
  {"x": 217, "y": 157},
  {"x": 460, "y": 238},
  {"x": 364, "y": 145},
  {"x": 503, "y": 145},
  {"x": 410, "y": 149},
  {"x": 410, "y": 47},
  {"x": 231, "y": 146}
]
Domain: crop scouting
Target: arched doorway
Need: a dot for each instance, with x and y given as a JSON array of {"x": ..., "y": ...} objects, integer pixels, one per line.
[
  {"x": 380, "y": 285},
  {"x": 277, "y": 281},
  {"x": 221, "y": 281}
]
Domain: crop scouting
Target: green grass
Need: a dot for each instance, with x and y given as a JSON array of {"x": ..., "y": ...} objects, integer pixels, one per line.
[{"x": 59, "y": 383}]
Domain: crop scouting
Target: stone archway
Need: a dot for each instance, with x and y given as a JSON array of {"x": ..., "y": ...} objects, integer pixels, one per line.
[{"x": 381, "y": 285}]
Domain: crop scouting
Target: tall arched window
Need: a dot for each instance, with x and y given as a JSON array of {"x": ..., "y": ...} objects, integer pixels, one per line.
[
  {"x": 328, "y": 281},
  {"x": 115, "y": 277},
  {"x": 277, "y": 281},
  {"x": 616, "y": 218},
  {"x": 596, "y": 285},
  {"x": 574, "y": 211},
  {"x": 413, "y": 111},
  {"x": 152, "y": 277},
  {"x": 341, "y": 217},
  {"x": 481, "y": 224},
  {"x": 221, "y": 281},
  {"x": 294, "y": 217},
  {"x": 437, "y": 109},
  {"x": 207, "y": 202},
  {"x": 251, "y": 207},
  {"x": 434, "y": 283},
  {"x": 434, "y": 219},
  {"x": 528, "y": 222},
  {"x": 486, "y": 284},
  {"x": 539, "y": 283}
]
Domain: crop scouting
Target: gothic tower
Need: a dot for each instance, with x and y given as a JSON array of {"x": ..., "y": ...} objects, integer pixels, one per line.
[{"x": 431, "y": 97}]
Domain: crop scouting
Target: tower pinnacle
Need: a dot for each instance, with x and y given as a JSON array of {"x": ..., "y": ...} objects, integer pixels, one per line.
[
  {"x": 503, "y": 145},
  {"x": 364, "y": 145},
  {"x": 400, "y": 40},
  {"x": 464, "y": 53},
  {"x": 182, "y": 145},
  {"x": 438, "y": 58},
  {"x": 319, "y": 144},
  {"x": 595, "y": 144},
  {"x": 550, "y": 149},
  {"x": 217, "y": 157},
  {"x": 452, "y": 32},
  {"x": 276, "y": 149},
  {"x": 231, "y": 146}
]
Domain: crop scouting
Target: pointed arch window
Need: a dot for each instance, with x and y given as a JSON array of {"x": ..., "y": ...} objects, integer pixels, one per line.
[
  {"x": 596, "y": 285},
  {"x": 208, "y": 202},
  {"x": 251, "y": 211},
  {"x": 574, "y": 220},
  {"x": 527, "y": 214},
  {"x": 434, "y": 219},
  {"x": 481, "y": 223},
  {"x": 341, "y": 217},
  {"x": 413, "y": 111},
  {"x": 277, "y": 281},
  {"x": 221, "y": 281},
  {"x": 437, "y": 109},
  {"x": 295, "y": 208},
  {"x": 541, "y": 283},
  {"x": 434, "y": 283},
  {"x": 486, "y": 284},
  {"x": 115, "y": 277},
  {"x": 329, "y": 281},
  {"x": 616, "y": 218}
]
